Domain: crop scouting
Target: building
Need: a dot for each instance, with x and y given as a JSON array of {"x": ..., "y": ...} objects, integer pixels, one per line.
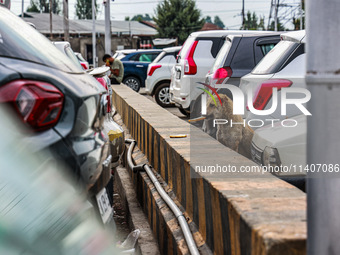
[{"x": 125, "y": 34}]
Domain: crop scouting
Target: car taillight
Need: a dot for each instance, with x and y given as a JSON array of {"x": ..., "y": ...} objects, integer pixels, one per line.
[
  {"x": 190, "y": 66},
  {"x": 265, "y": 91},
  {"x": 39, "y": 104},
  {"x": 153, "y": 69},
  {"x": 102, "y": 81},
  {"x": 221, "y": 74},
  {"x": 85, "y": 67}
]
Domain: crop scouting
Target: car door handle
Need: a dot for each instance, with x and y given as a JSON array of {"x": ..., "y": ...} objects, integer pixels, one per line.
[{"x": 139, "y": 65}]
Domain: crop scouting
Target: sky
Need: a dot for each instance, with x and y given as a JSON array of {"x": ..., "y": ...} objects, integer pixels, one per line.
[{"x": 229, "y": 11}]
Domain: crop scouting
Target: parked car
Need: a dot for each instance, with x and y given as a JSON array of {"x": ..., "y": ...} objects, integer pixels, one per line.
[
  {"x": 62, "y": 105},
  {"x": 136, "y": 64},
  {"x": 283, "y": 66},
  {"x": 194, "y": 61},
  {"x": 159, "y": 73},
  {"x": 82, "y": 61},
  {"x": 238, "y": 57},
  {"x": 100, "y": 73},
  {"x": 283, "y": 148}
]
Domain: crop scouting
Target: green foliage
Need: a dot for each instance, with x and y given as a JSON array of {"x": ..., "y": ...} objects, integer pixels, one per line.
[
  {"x": 84, "y": 9},
  {"x": 251, "y": 22},
  {"x": 140, "y": 17},
  {"x": 208, "y": 19},
  {"x": 178, "y": 18},
  {"x": 218, "y": 22},
  {"x": 127, "y": 18},
  {"x": 280, "y": 26},
  {"x": 44, "y": 6}
]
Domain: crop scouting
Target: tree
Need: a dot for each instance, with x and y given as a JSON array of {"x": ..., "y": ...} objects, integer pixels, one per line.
[
  {"x": 251, "y": 22},
  {"x": 280, "y": 26},
  {"x": 296, "y": 21},
  {"x": 44, "y": 6},
  {"x": 84, "y": 9},
  {"x": 218, "y": 22},
  {"x": 208, "y": 19},
  {"x": 177, "y": 18},
  {"x": 141, "y": 17}
]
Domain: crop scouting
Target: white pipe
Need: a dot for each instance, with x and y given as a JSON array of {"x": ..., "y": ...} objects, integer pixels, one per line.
[{"x": 178, "y": 213}]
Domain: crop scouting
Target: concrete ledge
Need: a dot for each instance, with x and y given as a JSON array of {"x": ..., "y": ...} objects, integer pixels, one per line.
[{"x": 250, "y": 214}]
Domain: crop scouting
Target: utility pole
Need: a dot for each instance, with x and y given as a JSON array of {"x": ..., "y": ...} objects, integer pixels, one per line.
[
  {"x": 22, "y": 9},
  {"x": 276, "y": 12},
  {"x": 107, "y": 27},
  {"x": 301, "y": 12},
  {"x": 243, "y": 14},
  {"x": 94, "y": 54},
  {"x": 323, "y": 140},
  {"x": 270, "y": 14},
  {"x": 51, "y": 35},
  {"x": 66, "y": 26}
]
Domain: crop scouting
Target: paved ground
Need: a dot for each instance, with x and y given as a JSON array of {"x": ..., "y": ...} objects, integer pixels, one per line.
[{"x": 172, "y": 109}]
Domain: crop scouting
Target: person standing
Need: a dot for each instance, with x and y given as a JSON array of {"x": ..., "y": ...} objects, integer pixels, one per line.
[{"x": 116, "y": 68}]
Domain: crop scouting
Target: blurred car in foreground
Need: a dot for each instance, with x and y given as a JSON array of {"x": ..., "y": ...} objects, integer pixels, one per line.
[
  {"x": 284, "y": 66},
  {"x": 159, "y": 73},
  {"x": 136, "y": 64},
  {"x": 40, "y": 211},
  {"x": 62, "y": 105}
]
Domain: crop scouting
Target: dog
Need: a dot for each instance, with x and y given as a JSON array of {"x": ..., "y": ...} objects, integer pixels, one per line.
[{"x": 238, "y": 137}]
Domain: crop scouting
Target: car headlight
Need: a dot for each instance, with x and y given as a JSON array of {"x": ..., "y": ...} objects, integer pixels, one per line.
[{"x": 271, "y": 157}]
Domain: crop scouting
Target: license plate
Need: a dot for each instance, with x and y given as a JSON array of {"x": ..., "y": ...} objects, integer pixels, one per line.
[{"x": 104, "y": 205}]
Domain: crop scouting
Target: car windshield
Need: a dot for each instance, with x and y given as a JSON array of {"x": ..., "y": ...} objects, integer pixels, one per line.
[
  {"x": 219, "y": 61},
  {"x": 21, "y": 41},
  {"x": 274, "y": 59}
]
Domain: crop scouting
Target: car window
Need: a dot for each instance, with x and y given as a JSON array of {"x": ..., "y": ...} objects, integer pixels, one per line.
[
  {"x": 146, "y": 57},
  {"x": 273, "y": 61},
  {"x": 21, "y": 41},
  {"x": 219, "y": 61},
  {"x": 267, "y": 47}
]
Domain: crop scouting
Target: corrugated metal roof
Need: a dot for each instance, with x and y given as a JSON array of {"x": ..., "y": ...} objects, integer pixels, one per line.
[{"x": 42, "y": 23}]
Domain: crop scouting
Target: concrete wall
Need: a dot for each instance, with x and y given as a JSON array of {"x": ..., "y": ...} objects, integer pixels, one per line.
[{"x": 250, "y": 214}]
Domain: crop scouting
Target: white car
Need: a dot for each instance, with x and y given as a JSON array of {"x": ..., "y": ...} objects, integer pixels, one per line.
[
  {"x": 194, "y": 61},
  {"x": 282, "y": 146},
  {"x": 283, "y": 66},
  {"x": 159, "y": 73}
]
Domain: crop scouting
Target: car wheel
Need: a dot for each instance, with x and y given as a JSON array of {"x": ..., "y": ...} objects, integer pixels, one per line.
[
  {"x": 132, "y": 82},
  {"x": 184, "y": 112},
  {"x": 162, "y": 95}
]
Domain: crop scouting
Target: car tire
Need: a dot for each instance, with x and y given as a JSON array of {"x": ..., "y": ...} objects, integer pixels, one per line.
[
  {"x": 162, "y": 95},
  {"x": 184, "y": 112},
  {"x": 132, "y": 82}
]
